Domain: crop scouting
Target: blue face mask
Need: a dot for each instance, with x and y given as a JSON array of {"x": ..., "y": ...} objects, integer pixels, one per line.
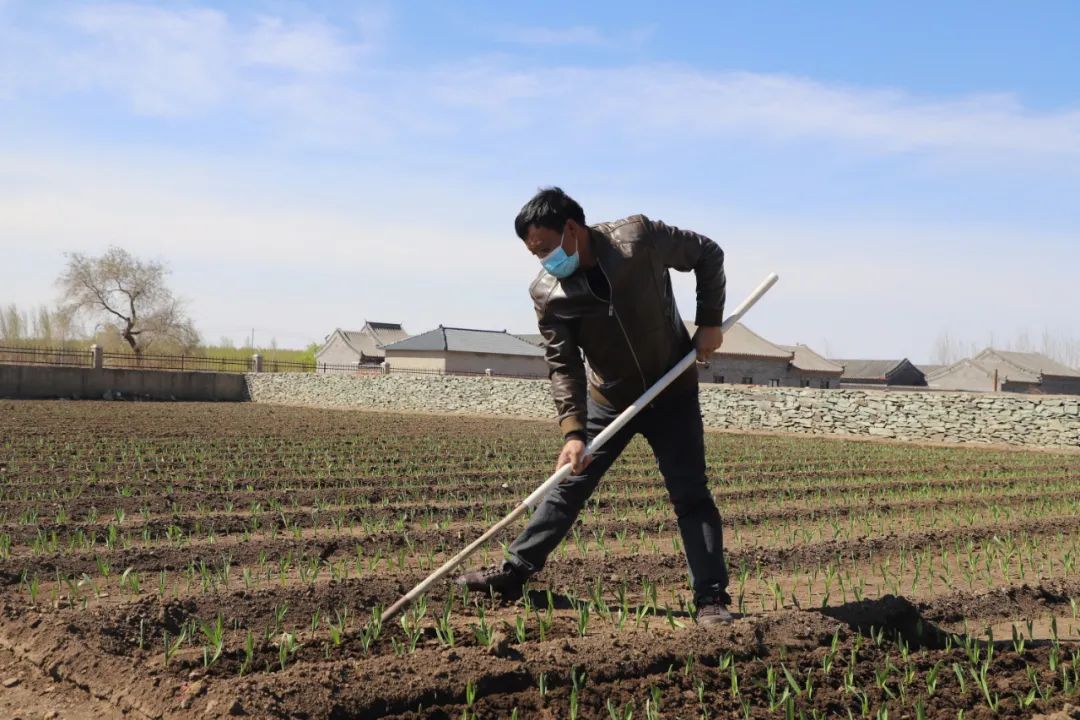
[{"x": 558, "y": 263}]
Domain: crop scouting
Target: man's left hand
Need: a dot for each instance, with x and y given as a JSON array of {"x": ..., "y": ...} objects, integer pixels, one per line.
[{"x": 707, "y": 340}]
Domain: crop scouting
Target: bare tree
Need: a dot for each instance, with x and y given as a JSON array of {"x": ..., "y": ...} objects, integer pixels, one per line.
[
  {"x": 121, "y": 291},
  {"x": 58, "y": 325},
  {"x": 39, "y": 324},
  {"x": 947, "y": 349},
  {"x": 13, "y": 325},
  {"x": 944, "y": 352}
]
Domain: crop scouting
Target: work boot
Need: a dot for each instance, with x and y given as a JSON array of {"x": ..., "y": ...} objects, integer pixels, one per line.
[
  {"x": 713, "y": 611},
  {"x": 504, "y": 579}
]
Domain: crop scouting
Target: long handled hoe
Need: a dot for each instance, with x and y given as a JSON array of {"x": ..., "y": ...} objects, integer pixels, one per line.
[{"x": 537, "y": 495}]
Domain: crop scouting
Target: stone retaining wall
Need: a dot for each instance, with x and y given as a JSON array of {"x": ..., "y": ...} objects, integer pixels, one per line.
[
  {"x": 1029, "y": 420},
  {"x": 424, "y": 393}
]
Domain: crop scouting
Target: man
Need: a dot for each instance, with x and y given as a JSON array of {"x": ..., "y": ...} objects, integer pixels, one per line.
[{"x": 605, "y": 291}]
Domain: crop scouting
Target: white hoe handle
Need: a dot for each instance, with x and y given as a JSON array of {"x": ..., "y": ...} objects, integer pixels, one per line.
[{"x": 562, "y": 473}]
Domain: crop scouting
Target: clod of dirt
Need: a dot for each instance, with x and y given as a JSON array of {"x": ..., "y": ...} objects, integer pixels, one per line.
[
  {"x": 327, "y": 551},
  {"x": 500, "y": 645},
  {"x": 11, "y": 682},
  {"x": 174, "y": 614}
]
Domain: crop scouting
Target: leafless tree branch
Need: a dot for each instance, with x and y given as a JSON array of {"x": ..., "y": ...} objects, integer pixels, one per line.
[{"x": 130, "y": 292}]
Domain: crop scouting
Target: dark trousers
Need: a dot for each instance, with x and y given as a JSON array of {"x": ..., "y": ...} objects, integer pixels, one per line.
[{"x": 673, "y": 428}]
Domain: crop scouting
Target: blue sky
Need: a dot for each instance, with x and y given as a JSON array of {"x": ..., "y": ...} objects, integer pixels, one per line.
[{"x": 908, "y": 171}]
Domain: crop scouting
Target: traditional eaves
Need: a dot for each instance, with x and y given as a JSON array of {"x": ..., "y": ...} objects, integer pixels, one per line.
[
  {"x": 805, "y": 359},
  {"x": 939, "y": 371},
  {"x": 532, "y": 338},
  {"x": 360, "y": 342},
  {"x": 448, "y": 339},
  {"x": 859, "y": 369},
  {"x": 385, "y": 333},
  {"x": 1032, "y": 364},
  {"x": 743, "y": 342}
]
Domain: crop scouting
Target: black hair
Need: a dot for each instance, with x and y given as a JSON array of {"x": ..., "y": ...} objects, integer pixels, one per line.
[{"x": 549, "y": 208}]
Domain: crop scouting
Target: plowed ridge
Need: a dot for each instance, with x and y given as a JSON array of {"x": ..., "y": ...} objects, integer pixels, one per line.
[{"x": 190, "y": 560}]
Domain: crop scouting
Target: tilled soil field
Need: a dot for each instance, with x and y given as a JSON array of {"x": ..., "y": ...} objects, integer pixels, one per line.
[{"x": 201, "y": 560}]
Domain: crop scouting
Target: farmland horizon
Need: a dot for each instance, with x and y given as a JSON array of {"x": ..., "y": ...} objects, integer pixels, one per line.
[
  {"x": 946, "y": 348},
  {"x": 27, "y": 323}
]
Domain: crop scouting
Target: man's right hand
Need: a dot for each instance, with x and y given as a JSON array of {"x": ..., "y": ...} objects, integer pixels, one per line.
[{"x": 573, "y": 452}]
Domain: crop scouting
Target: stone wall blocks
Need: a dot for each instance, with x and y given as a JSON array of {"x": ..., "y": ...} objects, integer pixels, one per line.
[{"x": 963, "y": 417}]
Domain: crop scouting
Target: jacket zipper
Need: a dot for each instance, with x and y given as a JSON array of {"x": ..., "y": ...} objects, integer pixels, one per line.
[{"x": 611, "y": 312}]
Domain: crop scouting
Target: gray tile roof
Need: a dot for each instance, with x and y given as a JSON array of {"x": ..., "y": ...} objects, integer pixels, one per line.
[
  {"x": 937, "y": 372},
  {"x": 532, "y": 338},
  {"x": 806, "y": 359},
  {"x": 386, "y": 333},
  {"x": 859, "y": 369},
  {"x": 1032, "y": 363},
  {"x": 373, "y": 337},
  {"x": 361, "y": 342},
  {"x": 1024, "y": 367},
  {"x": 741, "y": 340},
  {"x": 491, "y": 342}
]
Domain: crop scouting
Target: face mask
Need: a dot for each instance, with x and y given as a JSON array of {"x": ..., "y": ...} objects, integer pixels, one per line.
[{"x": 558, "y": 263}]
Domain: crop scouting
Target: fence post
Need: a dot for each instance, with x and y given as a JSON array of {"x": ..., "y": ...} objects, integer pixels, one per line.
[
  {"x": 257, "y": 361},
  {"x": 97, "y": 360}
]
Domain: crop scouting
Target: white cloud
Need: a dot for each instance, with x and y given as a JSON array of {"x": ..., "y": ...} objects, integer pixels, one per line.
[
  {"x": 181, "y": 61},
  {"x": 654, "y": 99},
  {"x": 551, "y": 36},
  {"x": 312, "y": 48},
  {"x": 164, "y": 62},
  {"x": 570, "y": 36},
  {"x": 79, "y": 205},
  {"x": 324, "y": 84}
]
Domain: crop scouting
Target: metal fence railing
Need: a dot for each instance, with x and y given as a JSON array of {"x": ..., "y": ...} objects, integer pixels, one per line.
[
  {"x": 45, "y": 356},
  {"x": 130, "y": 361},
  {"x": 20, "y": 355},
  {"x": 217, "y": 364},
  {"x": 353, "y": 369}
]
